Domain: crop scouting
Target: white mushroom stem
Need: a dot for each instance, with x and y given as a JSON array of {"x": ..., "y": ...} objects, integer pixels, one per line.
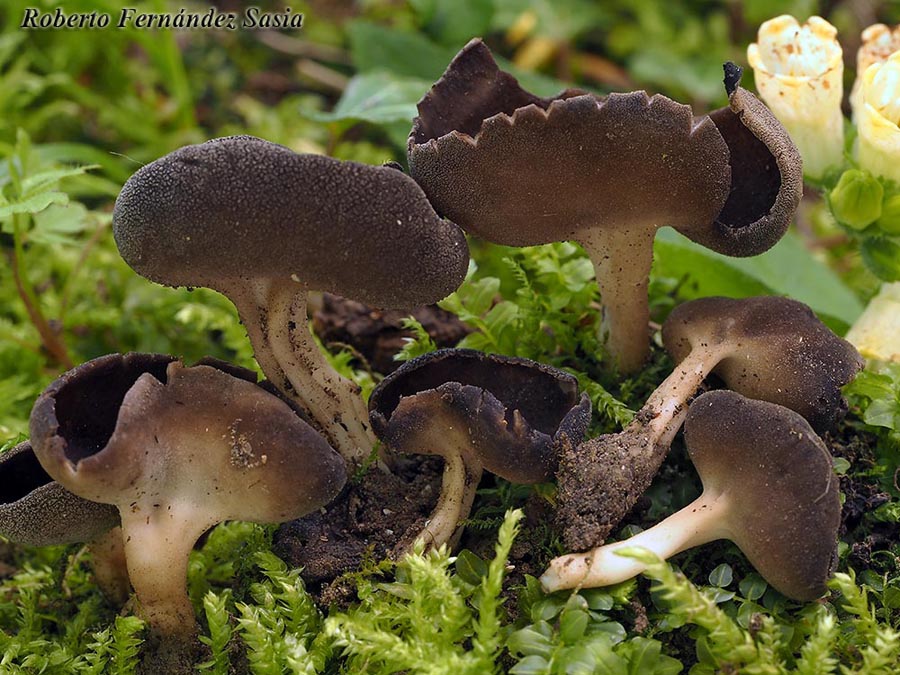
[
  {"x": 250, "y": 301},
  {"x": 458, "y": 487},
  {"x": 109, "y": 566},
  {"x": 667, "y": 403},
  {"x": 158, "y": 543},
  {"x": 278, "y": 328},
  {"x": 622, "y": 259},
  {"x": 332, "y": 400},
  {"x": 701, "y": 521}
]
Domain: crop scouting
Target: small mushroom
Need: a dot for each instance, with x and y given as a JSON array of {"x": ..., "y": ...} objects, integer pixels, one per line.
[
  {"x": 520, "y": 170},
  {"x": 478, "y": 411},
  {"x": 178, "y": 450},
  {"x": 768, "y": 348},
  {"x": 264, "y": 226},
  {"x": 768, "y": 486}
]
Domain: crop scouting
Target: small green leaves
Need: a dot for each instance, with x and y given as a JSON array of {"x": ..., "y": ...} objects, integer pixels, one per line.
[
  {"x": 421, "y": 342},
  {"x": 856, "y": 199}
]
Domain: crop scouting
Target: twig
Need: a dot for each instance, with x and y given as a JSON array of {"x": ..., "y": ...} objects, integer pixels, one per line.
[
  {"x": 327, "y": 77},
  {"x": 289, "y": 45}
]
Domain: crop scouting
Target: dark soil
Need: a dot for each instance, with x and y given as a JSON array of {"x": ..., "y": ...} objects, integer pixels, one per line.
[
  {"x": 600, "y": 481},
  {"x": 377, "y": 334},
  {"x": 864, "y": 492},
  {"x": 374, "y": 518}
]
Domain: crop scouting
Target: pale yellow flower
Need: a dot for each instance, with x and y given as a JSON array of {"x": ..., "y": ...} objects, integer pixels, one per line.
[
  {"x": 878, "y": 117},
  {"x": 878, "y": 43},
  {"x": 799, "y": 74},
  {"x": 875, "y": 332}
]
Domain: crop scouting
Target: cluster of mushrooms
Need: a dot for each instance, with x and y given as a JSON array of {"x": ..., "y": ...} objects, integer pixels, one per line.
[{"x": 139, "y": 454}]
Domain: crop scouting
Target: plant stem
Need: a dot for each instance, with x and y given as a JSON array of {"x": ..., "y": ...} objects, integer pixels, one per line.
[{"x": 49, "y": 337}]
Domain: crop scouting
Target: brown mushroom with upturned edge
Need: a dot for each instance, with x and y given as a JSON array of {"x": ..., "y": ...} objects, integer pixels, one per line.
[
  {"x": 264, "y": 225},
  {"x": 768, "y": 486},
  {"x": 478, "y": 411},
  {"x": 769, "y": 348},
  {"x": 520, "y": 170},
  {"x": 178, "y": 450}
]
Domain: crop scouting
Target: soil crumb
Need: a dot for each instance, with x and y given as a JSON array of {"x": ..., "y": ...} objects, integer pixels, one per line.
[
  {"x": 374, "y": 518},
  {"x": 377, "y": 334}
]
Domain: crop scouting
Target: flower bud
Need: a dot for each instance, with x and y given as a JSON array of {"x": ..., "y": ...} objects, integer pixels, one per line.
[
  {"x": 877, "y": 118},
  {"x": 856, "y": 199},
  {"x": 878, "y": 43},
  {"x": 889, "y": 222},
  {"x": 799, "y": 71}
]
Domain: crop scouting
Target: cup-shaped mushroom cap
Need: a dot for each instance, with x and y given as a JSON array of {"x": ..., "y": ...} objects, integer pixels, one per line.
[
  {"x": 196, "y": 435},
  {"x": 776, "y": 475},
  {"x": 37, "y": 511},
  {"x": 771, "y": 348},
  {"x": 76, "y": 414},
  {"x": 512, "y": 411},
  {"x": 243, "y": 208},
  {"x": 520, "y": 170}
]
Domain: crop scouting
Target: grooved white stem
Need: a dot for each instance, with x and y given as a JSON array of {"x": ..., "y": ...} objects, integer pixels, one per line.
[{"x": 333, "y": 401}]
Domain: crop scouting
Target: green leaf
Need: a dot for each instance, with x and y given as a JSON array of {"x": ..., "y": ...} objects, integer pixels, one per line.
[
  {"x": 470, "y": 567},
  {"x": 41, "y": 180},
  {"x": 34, "y": 204},
  {"x": 379, "y": 97},
  {"x": 572, "y": 625},
  {"x": 479, "y": 295},
  {"x": 882, "y": 256},
  {"x": 786, "y": 269},
  {"x": 455, "y": 21},
  {"x": 531, "y": 665},
  {"x": 374, "y": 47},
  {"x": 721, "y": 576}
]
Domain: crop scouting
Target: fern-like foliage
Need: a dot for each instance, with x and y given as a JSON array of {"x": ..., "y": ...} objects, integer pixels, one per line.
[
  {"x": 863, "y": 645},
  {"x": 281, "y": 628},
  {"x": 429, "y": 620}
]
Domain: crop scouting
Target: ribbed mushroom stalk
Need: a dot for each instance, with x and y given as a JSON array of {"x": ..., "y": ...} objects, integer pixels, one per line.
[
  {"x": 769, "y": 348},
  {"x": 520, "y": 170},
  {"x": 178, "y": 450},
  {"x": 768, "y": 486},
  {"x": 478, "y": 411},
  {"x": 264, "y": 226}
]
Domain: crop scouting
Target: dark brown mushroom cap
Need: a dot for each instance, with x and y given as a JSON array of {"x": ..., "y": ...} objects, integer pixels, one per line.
[
  {"x": 199, "y": 430},
  {"x": 776, "y": 474},
  {"x": 512, "y": 411},
  {"x": 37, "y": 511},
  {"x": 239, "y": 208},
  {"x": 779, "y": 352},
  {"x": 520, "y": 170}
]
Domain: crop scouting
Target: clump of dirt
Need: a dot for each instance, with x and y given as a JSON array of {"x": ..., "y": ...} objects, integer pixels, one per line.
[
  {"x": 376, "y": 334},
  {"x": 374, "y": 518},
  {"x": 609, "y": 469}
]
